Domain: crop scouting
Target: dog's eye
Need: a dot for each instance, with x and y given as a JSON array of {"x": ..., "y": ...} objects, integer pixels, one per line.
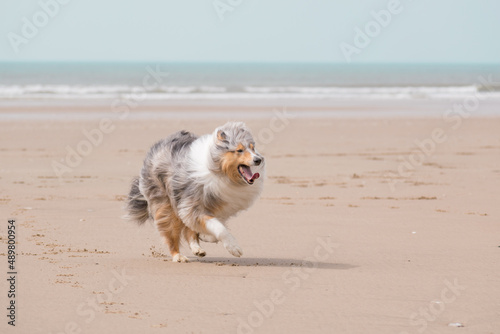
[{"x": 239, "y": 151}]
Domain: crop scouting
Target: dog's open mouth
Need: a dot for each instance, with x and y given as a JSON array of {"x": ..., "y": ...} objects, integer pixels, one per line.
[{"x": 247, "y": 174}]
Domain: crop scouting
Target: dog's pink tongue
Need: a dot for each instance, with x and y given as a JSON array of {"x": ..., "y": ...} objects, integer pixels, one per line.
[{"x": 247, "y": 172}]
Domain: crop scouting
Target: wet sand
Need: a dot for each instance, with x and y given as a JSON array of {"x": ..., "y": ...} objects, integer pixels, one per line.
[{"x": 384, "y": 225}]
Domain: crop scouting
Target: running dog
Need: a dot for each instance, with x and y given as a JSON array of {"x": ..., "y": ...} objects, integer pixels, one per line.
[{"x": 190, "y": 186}]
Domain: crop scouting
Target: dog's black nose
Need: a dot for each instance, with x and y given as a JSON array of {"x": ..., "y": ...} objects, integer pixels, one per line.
[{"x": 257, "y": 161}]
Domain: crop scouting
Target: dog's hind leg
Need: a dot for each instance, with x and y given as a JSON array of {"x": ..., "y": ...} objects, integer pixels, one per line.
[
  {"x": 193, "y": 241},
  {"x": 170, "y": 228}
]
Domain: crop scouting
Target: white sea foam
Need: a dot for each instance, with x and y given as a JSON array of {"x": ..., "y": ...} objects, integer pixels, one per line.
[{"x": 79, "y": 92}]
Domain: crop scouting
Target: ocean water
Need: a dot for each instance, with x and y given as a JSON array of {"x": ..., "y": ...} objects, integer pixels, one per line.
[{"x": 171, "y": 83}]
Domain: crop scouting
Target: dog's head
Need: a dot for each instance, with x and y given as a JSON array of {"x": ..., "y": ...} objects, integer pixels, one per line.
[{"x": 235, "y": 154}]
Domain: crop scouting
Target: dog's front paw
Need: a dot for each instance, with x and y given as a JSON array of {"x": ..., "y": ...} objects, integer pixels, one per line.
[
  {"x": 232, "y": 247},
  {"x": 198, "y": 251},
  {"x": 179, "y": 258}
]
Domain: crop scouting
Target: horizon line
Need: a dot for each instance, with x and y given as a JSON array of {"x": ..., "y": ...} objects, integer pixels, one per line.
[{"x": 248, "y": 62}]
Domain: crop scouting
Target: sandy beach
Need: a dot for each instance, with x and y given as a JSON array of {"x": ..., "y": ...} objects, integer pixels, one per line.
[{"x": 375, "y": 225}]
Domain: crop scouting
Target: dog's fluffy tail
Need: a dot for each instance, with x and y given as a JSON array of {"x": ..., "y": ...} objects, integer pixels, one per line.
[{"x": 136, "y": 205}]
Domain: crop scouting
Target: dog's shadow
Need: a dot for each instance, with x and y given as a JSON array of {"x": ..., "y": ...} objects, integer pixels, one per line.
[{"x": 273, "y": 262}]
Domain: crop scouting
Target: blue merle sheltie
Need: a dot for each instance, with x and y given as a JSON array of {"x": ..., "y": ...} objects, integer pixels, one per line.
[{"x": 190, "y": 186}]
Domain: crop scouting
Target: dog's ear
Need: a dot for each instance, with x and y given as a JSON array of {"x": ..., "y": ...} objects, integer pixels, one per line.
[{"x": 221, "y": 136}]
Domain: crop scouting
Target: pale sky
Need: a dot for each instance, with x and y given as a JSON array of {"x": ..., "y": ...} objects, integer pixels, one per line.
[{"x": 446, "y": 31}]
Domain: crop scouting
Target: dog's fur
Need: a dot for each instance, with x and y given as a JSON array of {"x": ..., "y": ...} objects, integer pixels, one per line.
[{"x": 190, "y": 186}]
